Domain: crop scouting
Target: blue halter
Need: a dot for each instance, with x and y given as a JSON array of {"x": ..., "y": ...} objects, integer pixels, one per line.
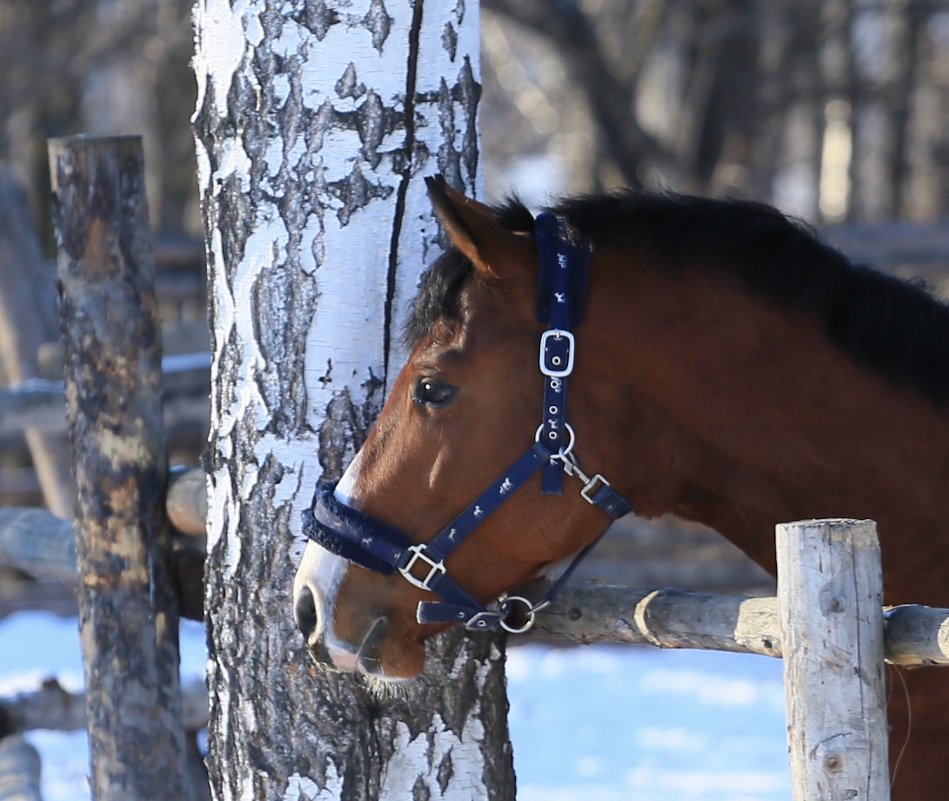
[{"x": 344, "y": 531}]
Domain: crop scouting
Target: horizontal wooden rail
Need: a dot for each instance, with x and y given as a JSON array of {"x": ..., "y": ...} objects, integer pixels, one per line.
[
  {"x": 673, "y": 618},
  {"x": 54, "y": 708},
  {"x": 40, "y": 544},
  {"x": 43, "y": 546},
  {"x": 41, "y": 403},
  {"x": 35, "y": 403}
]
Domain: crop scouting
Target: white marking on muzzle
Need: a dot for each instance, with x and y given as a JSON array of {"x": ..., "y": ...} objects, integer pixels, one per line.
[
  {"x": 323, "y": 572},
  {"x": 344, "y": 489}
]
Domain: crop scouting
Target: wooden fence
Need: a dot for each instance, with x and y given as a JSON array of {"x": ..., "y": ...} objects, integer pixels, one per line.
[
  {"x": 820, "y": 615},
  {"x": 814, "y": 619}
]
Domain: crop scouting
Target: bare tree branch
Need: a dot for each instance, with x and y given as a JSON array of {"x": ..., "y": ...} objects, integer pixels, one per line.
[{"x": 611, "y": 101}]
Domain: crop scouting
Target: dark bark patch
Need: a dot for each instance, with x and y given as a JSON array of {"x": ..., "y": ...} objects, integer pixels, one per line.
[
  {"x": 348, "y": 84},
  {"x": 318, "y": 19},
  {"x": 379, "y": 23},
  {"x": 450, "y": 40}
]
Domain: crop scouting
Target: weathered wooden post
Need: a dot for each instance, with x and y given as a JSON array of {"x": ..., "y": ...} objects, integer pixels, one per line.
[
  {"x": 830, "y": 595},
  {"x": 127, "y": 612},
  {"x": 19, "y": 770}
]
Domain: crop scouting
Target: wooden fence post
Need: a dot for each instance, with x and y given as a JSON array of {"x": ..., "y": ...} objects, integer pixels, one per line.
[
  {"x": 19, "y": 770},
  {"x": 127, "y": 611},
  {"x": 830, "y": 591}
]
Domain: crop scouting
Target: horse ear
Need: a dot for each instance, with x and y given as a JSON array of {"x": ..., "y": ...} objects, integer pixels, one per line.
[{"x": 477, "y": 232}]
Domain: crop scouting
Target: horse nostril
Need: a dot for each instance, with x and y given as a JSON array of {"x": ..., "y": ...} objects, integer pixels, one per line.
[{"x": 304, "y": 611}]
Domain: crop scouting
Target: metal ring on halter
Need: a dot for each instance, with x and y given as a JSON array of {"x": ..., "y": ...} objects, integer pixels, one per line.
[
  {"x": 531, "y": 613},
  {"x": 564, "y": 452}
]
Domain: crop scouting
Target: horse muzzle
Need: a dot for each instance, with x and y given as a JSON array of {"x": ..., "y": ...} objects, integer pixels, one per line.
[{"x": 348, "y": 643}]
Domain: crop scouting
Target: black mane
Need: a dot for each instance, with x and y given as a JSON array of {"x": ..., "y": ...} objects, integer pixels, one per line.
[{"x": 886, "y": 324}]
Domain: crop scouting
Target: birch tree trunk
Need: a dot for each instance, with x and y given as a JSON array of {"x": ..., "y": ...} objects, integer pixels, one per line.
[{"x": 315, "y": 125}]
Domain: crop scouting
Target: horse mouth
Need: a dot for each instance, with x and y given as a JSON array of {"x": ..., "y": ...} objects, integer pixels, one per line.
[
  {"x": 379, "y": 654},
  {"x": 361, "y": 659},
  {"x": 378, "y": 657}
]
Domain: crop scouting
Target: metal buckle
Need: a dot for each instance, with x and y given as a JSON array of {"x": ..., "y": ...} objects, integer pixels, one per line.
[
  {"x": 435, "y": 569},
  {"x": 555, "y": 371},
  {"x": 531, "y": 613},
  {"x": 587, "y": 490}
]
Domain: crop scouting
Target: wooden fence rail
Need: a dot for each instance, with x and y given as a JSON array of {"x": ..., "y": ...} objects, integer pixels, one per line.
[
  {"x": 40, "y": 403},
  {"x": 675, "y": 618},
  {"x": 826, "y": 622},
  {"x": 28, "y": 319},
  {"x": 42, "y": 545},
  {"x": 53, "y": 708}
]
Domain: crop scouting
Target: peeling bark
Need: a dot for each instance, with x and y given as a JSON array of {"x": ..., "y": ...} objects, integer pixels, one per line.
[{"x": 314, "y": 129}]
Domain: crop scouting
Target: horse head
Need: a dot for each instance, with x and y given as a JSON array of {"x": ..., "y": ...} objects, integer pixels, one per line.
[{"x": 463, "y": 410}]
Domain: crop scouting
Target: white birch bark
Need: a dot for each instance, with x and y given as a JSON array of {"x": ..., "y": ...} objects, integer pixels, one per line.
[{"x": 315, "y": 125}]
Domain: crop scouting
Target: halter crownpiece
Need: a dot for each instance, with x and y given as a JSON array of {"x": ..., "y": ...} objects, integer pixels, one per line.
[{"x": 563, "y": 258}]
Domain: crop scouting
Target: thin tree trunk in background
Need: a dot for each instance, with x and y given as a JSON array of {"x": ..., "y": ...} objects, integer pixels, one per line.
[
  {"x": 875, "y": 42},
  {"x": 903, "y": 110},
  {"x": 796, "y": 172},
  {"x": 314, "y": 130},
  {"x": 28, "y": 320},
  {"x": 128, "y": 616}
]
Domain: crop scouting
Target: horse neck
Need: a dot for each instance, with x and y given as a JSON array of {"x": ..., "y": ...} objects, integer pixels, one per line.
[{"x": 768, "y": 421}]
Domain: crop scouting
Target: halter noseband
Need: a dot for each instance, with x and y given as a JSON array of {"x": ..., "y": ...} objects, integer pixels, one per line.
[{"x": 348, "y": 533}]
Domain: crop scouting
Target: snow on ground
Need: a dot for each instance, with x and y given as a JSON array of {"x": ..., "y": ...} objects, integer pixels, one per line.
[
  {"x": 615, "y": 723},
  {"x": 604, "y": 723}
]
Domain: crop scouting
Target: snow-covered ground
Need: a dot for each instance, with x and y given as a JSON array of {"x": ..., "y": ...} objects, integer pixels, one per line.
[
  {"x": 604, "y": 723},
  {"x": 614, "y": 723}
]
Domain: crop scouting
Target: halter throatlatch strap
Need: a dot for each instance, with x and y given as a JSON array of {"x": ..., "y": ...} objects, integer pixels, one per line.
[{"x": 342, "y": 530}]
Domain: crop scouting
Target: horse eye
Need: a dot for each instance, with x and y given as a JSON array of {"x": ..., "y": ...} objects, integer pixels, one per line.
[{"x": 429, "y": 392}]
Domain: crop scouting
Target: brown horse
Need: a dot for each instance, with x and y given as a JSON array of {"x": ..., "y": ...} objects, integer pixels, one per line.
[{"x": 729, "y": 369}]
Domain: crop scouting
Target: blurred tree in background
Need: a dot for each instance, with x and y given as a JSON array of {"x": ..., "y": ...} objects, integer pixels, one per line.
[
  {"x": 835, "y": 110},
  {"x": 831, "y": 109},
  {"x": 101, "y": 67}
]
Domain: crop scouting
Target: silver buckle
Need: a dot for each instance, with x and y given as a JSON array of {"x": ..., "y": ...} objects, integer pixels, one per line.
[
  {"x": 591, "y": 484},
  {"x": 557, "y": 372},
  {"x": 434, "y": 568}
]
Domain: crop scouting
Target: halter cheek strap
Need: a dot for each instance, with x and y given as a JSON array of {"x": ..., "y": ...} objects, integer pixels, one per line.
[
  {"x": 376, "y": 546},
  {"x": 562, "y": 261}
]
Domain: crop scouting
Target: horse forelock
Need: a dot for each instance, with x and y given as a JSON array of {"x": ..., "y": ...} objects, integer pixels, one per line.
[
  {"x": 437, "y": 297},
  {"x": 440, "y": 285}
]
